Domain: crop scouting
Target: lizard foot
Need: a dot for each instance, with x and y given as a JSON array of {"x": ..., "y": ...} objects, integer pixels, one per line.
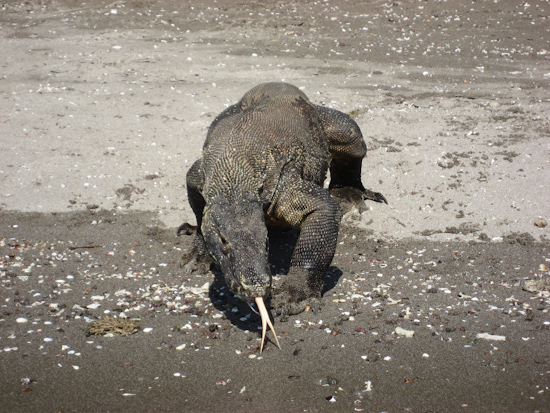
[
  {"x": 186, "y": 229},
  {"x": 196, "y": 258},
  {"x": 295, "y": 295},
  {"x": 374, "y": 196},
  {"x": 349, "y": 196},
  {"x": 284, "y": 308},
  {"x": 193, "y": 262}
]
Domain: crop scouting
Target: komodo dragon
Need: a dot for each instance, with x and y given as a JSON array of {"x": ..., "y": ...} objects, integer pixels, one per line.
[{"x": 264, "y": 162}]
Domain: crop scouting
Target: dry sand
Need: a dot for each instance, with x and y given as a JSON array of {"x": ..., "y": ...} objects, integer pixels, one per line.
[{"x": 104, "y": 106}]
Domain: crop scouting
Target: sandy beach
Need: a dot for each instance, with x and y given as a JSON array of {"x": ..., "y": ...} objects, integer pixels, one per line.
[{"x": 438, "y": 301}]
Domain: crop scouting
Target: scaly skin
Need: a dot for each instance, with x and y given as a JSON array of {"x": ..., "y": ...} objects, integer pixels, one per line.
[{"x": 266, "y": 157}]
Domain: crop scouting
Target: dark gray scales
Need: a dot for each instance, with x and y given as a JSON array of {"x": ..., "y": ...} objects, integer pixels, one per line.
[{"x": 264, "y": 162}]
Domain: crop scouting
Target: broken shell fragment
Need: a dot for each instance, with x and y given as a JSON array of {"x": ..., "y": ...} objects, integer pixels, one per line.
[
  {"x": 487, "y": 336},
  {"x": 265, "y": 321},
  {"x": 402, "y": 332}
]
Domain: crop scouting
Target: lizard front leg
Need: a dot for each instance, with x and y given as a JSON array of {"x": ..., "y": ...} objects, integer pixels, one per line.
[
  {"x": 317, "y": 215},
  {"x": 197, "y": 257}
]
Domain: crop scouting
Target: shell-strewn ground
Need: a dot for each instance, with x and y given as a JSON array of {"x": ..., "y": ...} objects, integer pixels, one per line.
[{"x": 438, "y": 301}]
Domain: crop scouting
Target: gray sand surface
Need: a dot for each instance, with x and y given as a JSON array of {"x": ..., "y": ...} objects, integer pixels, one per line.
[{"x": 104, "y": 107}]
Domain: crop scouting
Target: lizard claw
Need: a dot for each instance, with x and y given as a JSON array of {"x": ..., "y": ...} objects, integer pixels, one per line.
[{"x": 316, "y": 307}]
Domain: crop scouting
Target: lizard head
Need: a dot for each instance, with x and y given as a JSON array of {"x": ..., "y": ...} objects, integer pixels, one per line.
[{"x": 236, "y": 237}]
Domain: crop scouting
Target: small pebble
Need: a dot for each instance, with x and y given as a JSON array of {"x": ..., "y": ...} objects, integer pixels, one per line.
[
  {"x": 21, "y": 320},
  {"x": 540, "y": 222}
]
